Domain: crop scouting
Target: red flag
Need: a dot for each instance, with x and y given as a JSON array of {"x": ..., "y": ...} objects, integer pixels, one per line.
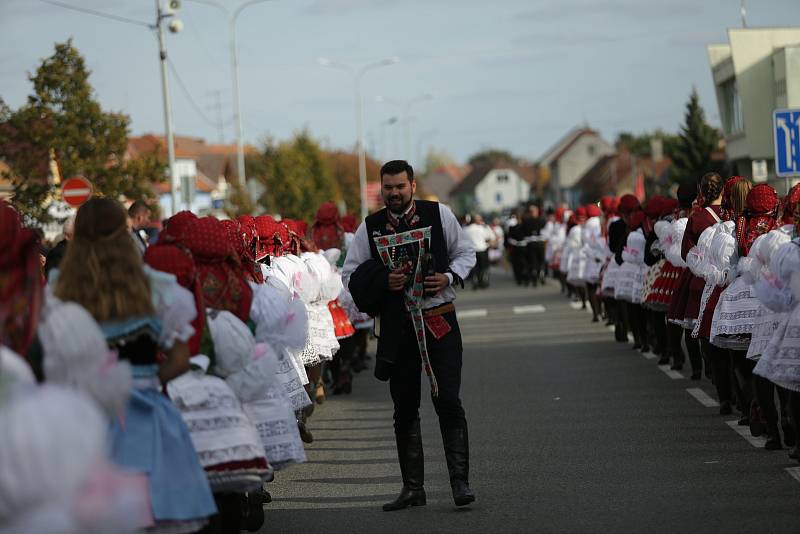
[{"x": 638, "y": 190}]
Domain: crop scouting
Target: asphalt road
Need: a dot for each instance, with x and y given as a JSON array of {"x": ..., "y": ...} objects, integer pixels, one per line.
[{"x": 570, "y": 432}]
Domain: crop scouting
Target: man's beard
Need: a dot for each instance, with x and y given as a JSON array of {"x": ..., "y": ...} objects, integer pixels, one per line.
[{"x": 402, "y": 209}]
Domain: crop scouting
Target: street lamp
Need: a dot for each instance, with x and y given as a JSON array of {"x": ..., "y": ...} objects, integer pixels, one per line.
[
  {"x": 232, "y": 16},
  {"x": 406, "y": 105},
  {"x": 357, "y": 73}
]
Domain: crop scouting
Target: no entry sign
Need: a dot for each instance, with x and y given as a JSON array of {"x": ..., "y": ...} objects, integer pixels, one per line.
[{"x": 76, "y": 191}]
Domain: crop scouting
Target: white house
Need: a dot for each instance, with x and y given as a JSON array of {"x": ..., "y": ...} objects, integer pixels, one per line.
[
  {"x": 569, "y": 159},
  {"x": 491, "y": 190}
]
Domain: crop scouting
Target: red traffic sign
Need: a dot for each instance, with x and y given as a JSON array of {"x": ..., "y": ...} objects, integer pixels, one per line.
[{"x": 76, "y": 191}]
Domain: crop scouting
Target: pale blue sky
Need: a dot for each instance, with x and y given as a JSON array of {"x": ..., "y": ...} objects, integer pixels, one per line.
[{"x": 513, "y": 74}]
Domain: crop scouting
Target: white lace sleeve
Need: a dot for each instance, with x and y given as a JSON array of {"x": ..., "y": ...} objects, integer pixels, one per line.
[{"x": 175, "y": 307}]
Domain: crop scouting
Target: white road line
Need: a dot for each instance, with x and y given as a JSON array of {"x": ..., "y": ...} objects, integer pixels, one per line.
[
  {"x": 745, "y": 433},
  {"x": 675, "y": 375},
  {"x": 702, "y": 397},
  {"x": 575, "y": 305},
  {"x": 611, "y": 328},
  {"x": 467, "y": 314},
  {"x": 649, "y": 356},
  {"x": 533, "y": 308},
  {"x": 794, "y": 472}
]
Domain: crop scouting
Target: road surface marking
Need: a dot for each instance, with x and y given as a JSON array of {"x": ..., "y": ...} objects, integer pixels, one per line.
[
  {"x": 467, "y": 314},
  {"x": 611, "y": 328},
  {"x": 745, "y": 433},
  {"x": 675, "y": 375},
  {"x": 649, "y": 355},
  {"x": 794, "y": 472},
  {"x": 575, "y": 305},
  {"x": 702, "y": 397},
  {"x": 533, "y": 308}
]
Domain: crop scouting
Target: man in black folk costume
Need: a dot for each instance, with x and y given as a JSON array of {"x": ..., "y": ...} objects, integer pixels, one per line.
[{"x": 401, "y": 268}]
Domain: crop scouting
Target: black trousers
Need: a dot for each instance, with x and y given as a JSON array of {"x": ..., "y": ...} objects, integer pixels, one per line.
[
  {"x": 519, "y": 263},
  {"x": 480, "y": 273},
  {"x": 721, "y": 368},
  {"x": 536, "y": 262},
  {"x": 406, "y": 376}
]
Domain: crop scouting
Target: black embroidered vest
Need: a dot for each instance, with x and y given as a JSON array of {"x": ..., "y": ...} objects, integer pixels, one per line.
[{"x": 426, "y": 214}]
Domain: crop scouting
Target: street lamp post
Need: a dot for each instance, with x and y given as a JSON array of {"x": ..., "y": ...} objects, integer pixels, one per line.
[
  {"x": 405, "y": 106},
  {"x": 358, "y": 74},
  {"x": 237, "y": 112}
]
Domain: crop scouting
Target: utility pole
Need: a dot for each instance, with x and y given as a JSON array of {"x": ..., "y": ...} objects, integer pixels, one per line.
[
  {"x": 162, "y": 53},
  {"x": 175, "y": 26}
]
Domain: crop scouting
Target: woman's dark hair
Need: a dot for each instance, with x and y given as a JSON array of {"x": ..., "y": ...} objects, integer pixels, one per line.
[
  {"x": 397, "y": 166},
  {"x": 711, "y": 185},
  {"x": 687, "y": 192}
]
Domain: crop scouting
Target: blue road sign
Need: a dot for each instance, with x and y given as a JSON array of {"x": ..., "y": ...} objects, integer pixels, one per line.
[{"x": 786, "y": 126}]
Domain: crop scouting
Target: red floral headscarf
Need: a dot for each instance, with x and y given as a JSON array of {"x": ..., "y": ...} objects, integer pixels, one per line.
[
  {"x": 240, "y": 237},
  {"x": 327, "y": 232},
  {"x": 20, "y": 282},
  {"x": 789, "y": 202},
  {"x": 219, "y": 268},
  {"x": 177, "y": 227},
  {"x": 176, "y": 259},
  {"x": 270, "y": 237},
  {"x": 628, "y": 204},
  {"x": 609, "y": 205},
  {"x": 761, "y": 215},
  {"x": 349, "y": 223}
]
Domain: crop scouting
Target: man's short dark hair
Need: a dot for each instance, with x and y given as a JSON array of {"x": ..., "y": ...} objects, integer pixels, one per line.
[
  {"x": 136, "y": 207},
  {"x": 396, "y": 166}
]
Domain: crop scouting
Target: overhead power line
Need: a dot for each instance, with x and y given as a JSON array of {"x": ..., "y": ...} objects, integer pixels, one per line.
[
  {"x": 98, "y": 13},
  {"x": 188, "y": 96}
]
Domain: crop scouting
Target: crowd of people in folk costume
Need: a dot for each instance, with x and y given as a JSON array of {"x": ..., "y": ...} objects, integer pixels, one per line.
[
  {"x": 713, "y": 273},
  {"x": 161, "y": 386}
]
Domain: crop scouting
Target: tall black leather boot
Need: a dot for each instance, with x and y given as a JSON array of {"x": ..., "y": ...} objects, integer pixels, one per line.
[
  {"x": 412, "y": 469},
  {"x": 456, "y": 451}
]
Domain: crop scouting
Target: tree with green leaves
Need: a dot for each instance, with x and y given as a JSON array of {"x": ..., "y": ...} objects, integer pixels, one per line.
[
  {"x": 639, "y": 144},
  {"x": 696, "y": 142},
  {"x": 63, "y": 117},
  {"x": 297, "y": 178},
  {"x": 492, "y": 156}
]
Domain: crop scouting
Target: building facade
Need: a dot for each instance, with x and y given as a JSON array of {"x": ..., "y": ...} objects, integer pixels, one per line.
[
  {"x": 569, "y": 159},
  {"x": 755, "y": 73},
  {"x": 490, "y": 190}
]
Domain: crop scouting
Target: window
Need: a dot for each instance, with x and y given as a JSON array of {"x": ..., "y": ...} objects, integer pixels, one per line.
[
  {"x": 591, "y": 150},
  {"x": 502, "y": 178},
  {"x": 732, "y": 120},
  {"x": 498, "y": 198}
]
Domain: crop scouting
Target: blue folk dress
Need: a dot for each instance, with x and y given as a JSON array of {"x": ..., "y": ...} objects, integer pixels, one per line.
[{"x": 151, "y": 436}]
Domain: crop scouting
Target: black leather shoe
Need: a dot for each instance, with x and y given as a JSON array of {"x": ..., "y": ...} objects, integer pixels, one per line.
[
  {"x": 408, "y": 497},
  {"x": 462, "y": 494},
  {"x": 725, "y": 408}
]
